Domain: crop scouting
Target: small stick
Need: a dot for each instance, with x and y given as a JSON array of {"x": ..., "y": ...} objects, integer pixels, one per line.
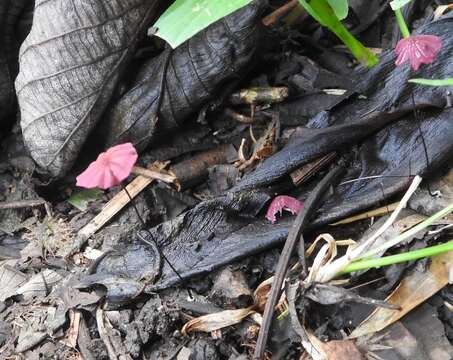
[
  {"x": 103, "y": 334},
  {"x": 308, "y": 170},
  {"x": 238, "y": 117},
  {"x": 383, "y": 210},
  {"x": 294, "y": 235},
  {"x": 259, "y": 95},
  {"x": 21, "y": 204},
  {"x": 153, "y": 174},
  {"x": 194, "y": 170},
  {"x": 273, "y": 17}
]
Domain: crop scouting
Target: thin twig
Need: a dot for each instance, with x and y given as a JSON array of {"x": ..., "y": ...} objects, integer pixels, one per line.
[
  {"x": 418, "y": 120},
  {"x": 308, "y": 170},
  {"x": 373, "y": 177},
  {"x": 21, "y": 204},
  {"x": 103, "y": 334},
  {"x": 383, "y": 210},
  {"x": 153, "y": 174},
  {"x": 274, "y": 16},
  {"x": 296, "y": 230}
]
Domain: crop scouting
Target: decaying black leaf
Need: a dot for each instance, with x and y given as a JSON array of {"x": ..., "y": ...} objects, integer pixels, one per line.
[
  {"x": 211, "y": 234},
  {"x": 219, "y": 231},
  {"x": 69, "y": 66},
  {"x": 388, "y": 99},
  {"x": 177, "y": 83},
  {"x": 215, "y": 232},
  {"x": 10, "y": 13}
]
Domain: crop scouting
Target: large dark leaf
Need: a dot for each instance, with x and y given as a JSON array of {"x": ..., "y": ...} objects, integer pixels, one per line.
[
  {"x": 69, "y": 65},
  {"x": 177, "y": 83}
]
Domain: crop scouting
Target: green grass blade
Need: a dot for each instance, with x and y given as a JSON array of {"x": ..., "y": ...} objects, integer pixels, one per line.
[
  {"x": 433, "y": 82},
  {"x": 185, "y": 18},
  {"x": 399, "y": 258}
]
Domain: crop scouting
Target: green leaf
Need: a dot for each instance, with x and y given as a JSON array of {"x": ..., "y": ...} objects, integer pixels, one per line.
[
  {"x": 398, "y": 4},
  {"x": 340, "y": 8},
  {"x": 325, "y": 15},
  {"x": 433, "y": 82},
  {"x": 185, "y": 18},
  {"x": 399, "y": 258},
  {"x": 81, "y": 199}
]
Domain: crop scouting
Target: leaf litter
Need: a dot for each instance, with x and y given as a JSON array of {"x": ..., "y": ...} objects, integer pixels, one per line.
[{"x": 235, "y": 118}]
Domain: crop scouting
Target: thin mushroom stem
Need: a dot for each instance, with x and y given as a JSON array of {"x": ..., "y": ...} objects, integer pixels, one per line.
[{"x": 402, "y": 23}]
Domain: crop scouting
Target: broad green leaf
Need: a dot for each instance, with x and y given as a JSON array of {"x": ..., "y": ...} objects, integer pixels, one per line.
[
  {"x": 185, "y": 18},
  {"x": 340, "y": 8},
  {"x": 81, "y": 199},
  {"x": 433, "y": 82},
  {"x": 398, "y": 4}
]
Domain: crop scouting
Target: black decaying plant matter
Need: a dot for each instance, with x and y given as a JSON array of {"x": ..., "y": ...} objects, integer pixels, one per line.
[
  {"x": 174, "y": 85},
  {"x": 388, "y": 99},
  {"x": 10, "y": 37},
  {"x": 152, "y": 242}
]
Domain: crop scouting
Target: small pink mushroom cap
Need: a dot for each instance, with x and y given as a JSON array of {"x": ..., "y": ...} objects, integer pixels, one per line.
[
  {"x": 110, "y": 168},
  {"x": 280, "y": 203},
  {"x": 417, "y": 50}
]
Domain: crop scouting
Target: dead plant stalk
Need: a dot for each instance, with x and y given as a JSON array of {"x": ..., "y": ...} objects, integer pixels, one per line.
[{"x": 332, "y": 270}]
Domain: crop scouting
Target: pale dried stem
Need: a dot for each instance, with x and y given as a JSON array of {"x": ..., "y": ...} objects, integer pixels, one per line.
[
  {"x": 153, "y": 174},
  {"x": 329, "y": 272}
]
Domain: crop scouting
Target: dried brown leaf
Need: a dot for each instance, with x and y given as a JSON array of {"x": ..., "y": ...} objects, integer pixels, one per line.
[{"x": 211, "y": 322}]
